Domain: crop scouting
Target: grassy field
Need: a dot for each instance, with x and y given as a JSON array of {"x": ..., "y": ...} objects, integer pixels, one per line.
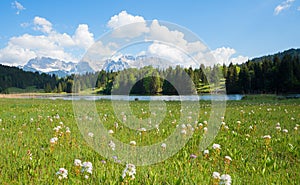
[{"x": 259, "y": 144}]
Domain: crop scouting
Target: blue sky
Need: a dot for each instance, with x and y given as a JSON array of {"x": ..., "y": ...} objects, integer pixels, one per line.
[{"x": 238, "y": 28}]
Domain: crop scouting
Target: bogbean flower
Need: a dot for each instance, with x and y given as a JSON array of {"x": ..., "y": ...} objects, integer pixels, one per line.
[
  {"x": 110, "y": 131},
  {"x": 216, "y": 147},
  {"x": 87, "y": 167},
  {"x": 206, "y": 152},
  {"x": 227, "y": 159},
  {"x": 91, "y": 134},
  {"x": 267, "y": 139},
  {"x": 129, "y": 171},
  {"x": 163, "y": 146},
  {"x": 62, "y": 173},
  {"x": 278, "y": 128},
  {"x": 112, "y": 145},
  {"x": 216, "y": 178},
  {"x": 77, "y": 162},
  {"x": 53, "y": 140},
  {"x": 132, "y": 143},
  {"x": 225, "y": 179}
]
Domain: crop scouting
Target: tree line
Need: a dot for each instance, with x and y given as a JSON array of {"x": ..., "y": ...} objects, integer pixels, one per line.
[{"x": 279, "y": 73}]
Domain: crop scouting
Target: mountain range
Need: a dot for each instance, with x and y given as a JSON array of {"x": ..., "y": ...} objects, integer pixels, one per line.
[{"x": 62, "y": 68}]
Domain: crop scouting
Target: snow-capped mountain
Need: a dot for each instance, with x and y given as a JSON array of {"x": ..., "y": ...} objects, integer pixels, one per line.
[
  {"x": 55, "y": 66},
  {"x": 61, "y": 68}
]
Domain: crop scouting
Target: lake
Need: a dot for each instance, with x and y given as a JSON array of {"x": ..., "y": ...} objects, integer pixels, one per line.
[{"x": 146, "y": 98}]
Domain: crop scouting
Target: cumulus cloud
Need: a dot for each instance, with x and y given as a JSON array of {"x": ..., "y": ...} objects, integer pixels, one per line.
[
  {"x": 43, "y": 25},
  {"x": 283, "y": 6},
  {"x": 122, "y": 19},
  {"x": 50, "y": 43},
  {"x": 18, "y": 6},
  {"x": 224, "y": 55}
]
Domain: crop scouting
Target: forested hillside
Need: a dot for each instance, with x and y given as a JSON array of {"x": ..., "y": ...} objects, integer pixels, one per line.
[{"x": 278, "y": 73}]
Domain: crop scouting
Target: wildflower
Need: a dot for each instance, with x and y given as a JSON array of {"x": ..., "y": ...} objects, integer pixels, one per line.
[
  {"x": 227, "y": 160},
  {"x": 267, "y": 139},
  {"x": 205, "y": 122},
  {"x": 205, "y": 129},
  {"x": 38, "y": 129},
  {"x": 278, "y": 128},
  {"x": 116, "y": 125},
  {"x": 103, "y": 162},
  {"x": 129, "y": 171},
  {"x": 86, "y": 176},
  {"x": 183, "y": 132},
  {"x": 205, "y": 152},
  {"x": 112, "y": 145},
  {"x": 62, "y": 173},
  {"x": 250, "y": 127},
  {"x": 0, "y": 120},
  {"x": 285, "y": 131},
  {"x": 278, "y": 124},
  {"x": 53, "y": 140},
  {"x": 87, "y": 167},
  {"x": 90, "y": 134},
  {"x": 31, "y": 119},
  {"x": 132, "y": 143},
  {"x": 183, "y": 126},
  {"x": 216, "y": 178},
  {"x": 226, "y": 127},
  {"x": 164, "y": 146},
  {"x": 68, "y": 131},
  {"x": 238, "y": 122},
  {"x": 77, "y": 162},
  {"x": 295, "y": 128},
  {"x": 193, "y": 156},
  {"x": 216, "y": 147},
  {"x": 225, "y": 179},
  {"x": 216, "y": 175},
  {"x": 110, "y": 131},
  {"x": 142, "y": 130}
]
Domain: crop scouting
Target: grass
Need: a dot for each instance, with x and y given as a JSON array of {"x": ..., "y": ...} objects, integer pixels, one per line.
[{"x": 27, "y": 157}]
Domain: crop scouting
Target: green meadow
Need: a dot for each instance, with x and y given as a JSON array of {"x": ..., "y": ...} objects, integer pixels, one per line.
[{"x": 258, "y": 139}]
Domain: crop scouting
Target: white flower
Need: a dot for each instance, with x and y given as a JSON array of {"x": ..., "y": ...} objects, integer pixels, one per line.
[
  {"x": 228, "y": 158},
  {"x": 216, "y": 175},
  {"x": 295, "y": 128},
  {"x": 238, "y": 122},
  {"x": 285, "y": 131},
  {"x": 278, "y": 128},
  {"x": 0, "y": 120},
  {"x": 205, "y": 152},
  {"x": 216, "y": 147},
  {"x": 53, "y": 140},
  {"x": 129, "y": 171},
  {"x": 164, "y": 145},
  {"x": 205, "y": 129},
  {"x": 112, "y": 145},
  {"x": 205, "y": 122},
  {"x": 278, "y": 124},
  {"x": 90, "y": 134},
  {"x": 87, "y": 167},
  {"x": 267, "y": 137},
  {"x": 62, "y": 173},
  {"x": 133, "y": 143},
  {"x": 86, "y": 176},
  {"x": 31, "y": 119},
  {"x": 110, "y": 131},
  {"x": 142, "y": 130},
  {"x": 77, "y": 162},
  {"x": 68, "y": 130},
  {"x": 183, "y": 132},
  {"x": 38, "y": 129},
  {"x": 225, "y": 179}
]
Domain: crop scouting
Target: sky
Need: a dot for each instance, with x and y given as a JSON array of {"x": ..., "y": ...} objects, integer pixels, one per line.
[{"x": 233, "y": 30}]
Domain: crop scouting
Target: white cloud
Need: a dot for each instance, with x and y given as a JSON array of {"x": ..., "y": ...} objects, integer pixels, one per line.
[
  {"x": 298, "y": 8},
  {"x": 122, "y": 19},
  {"x": 223, "y": 55},
  {"x": 283, "y": 6},
  {"x": 50, "y": 43},
  {"x": 239, "y": 59},
  {"x": 43, "y": 25},
  {"x": 83, "y": 37},
  {"x": 18, "y": 6}
]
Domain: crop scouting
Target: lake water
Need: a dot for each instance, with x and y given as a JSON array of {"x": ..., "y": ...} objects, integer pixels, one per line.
[{"x": 147, "y": 98}]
